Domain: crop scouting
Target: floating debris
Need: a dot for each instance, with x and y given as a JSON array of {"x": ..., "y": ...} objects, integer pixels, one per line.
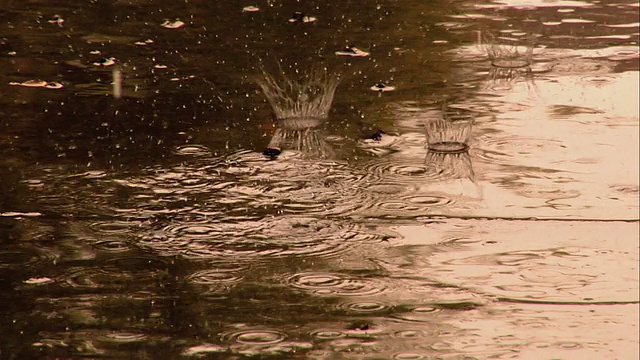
[
  {"x": 57, "y": 19},
  {"x": 250, "y": 8},
  {"x": 159, "y": 66},
  {"x": 95, "y": 52},
  {"x": 382, "y": 87},
  {"x": 12, "y": 53},
  {"x": 299, "y": 17},
  {"x": 172, "y": 24},
  {"x": 38, "y": 84},
  {"x": 105, "y": 62},
  {"x": 352, "y": 51}
]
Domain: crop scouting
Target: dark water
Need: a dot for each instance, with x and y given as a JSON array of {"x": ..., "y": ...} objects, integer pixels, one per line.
[{"x": 152, "y": 226}]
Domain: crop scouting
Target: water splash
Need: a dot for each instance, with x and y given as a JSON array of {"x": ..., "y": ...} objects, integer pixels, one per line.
[
  {"x": 311, "y": 97},
  {"x": 301, "y": 107},
  {"x": 508, "y": 56},
  {"x": 450, "y": 132}
]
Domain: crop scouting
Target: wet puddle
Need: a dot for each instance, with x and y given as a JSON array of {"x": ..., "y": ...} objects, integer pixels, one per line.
[{"x": 368, "y": 180}]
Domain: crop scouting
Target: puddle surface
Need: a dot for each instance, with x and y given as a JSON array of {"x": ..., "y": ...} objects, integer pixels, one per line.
[{"x": 218, "y": 180}]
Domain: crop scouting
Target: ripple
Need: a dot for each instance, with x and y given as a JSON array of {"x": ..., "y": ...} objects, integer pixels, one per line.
[
  {"x": 255, "y": 337},
  {"x": 409, "y": 334},
  {"x": 112, "y": 245},
  {"x": 419, "y": 314},
  {"x": 213, "y": 277},
  {"x": 505, "y": 149},
  {"x": 263, "y": 342},
  {"x": 124, "y": 337},
  {"x": 632, "y": 190},
  {"x": 328, "y": 334},
  {"x": 216, "y": 282},
  {"x": 598, "y": 79},
  {"x": 389, "y": 168},
  {"x": 413, "y": 202},
  {"x": 335, "y": 284},
  {"x": 115, "y": 274},
  {"x": 193, "y": 150},
  {"x": 264, "y": 238},
  {"x": 408, "y": 356},
  {"x": 97, "y": 279},
  {"x": 363, "y": 307},
  {"x": 511, "y": 63},
  {"x": 30, "y": 258},
  {"x": 192, "y": 231},
  {"x": 203, "y": 350},
  {"x": 551, "y": 269}
]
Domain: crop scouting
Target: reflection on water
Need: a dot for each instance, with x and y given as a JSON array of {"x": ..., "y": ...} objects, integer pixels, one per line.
[
  {"x": 139, "y": 217},
  {"x": 300, "y": 107}
]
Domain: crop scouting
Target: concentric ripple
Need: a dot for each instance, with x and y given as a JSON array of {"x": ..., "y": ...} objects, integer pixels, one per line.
[
  {"x": 262, "y": 342},
  {"x": 124, "y": 337},
  {"x": 193, "y": 150},
  {"x": 216, "y": 281},
  {"x": 267, "y": 237},
  {"x": 365, "y": 307},
  {"x": 115, "y": 274},
  {"x": 335, "y": 284}
]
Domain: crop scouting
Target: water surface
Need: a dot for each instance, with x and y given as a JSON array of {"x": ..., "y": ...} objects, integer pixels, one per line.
[{"x": 153, "y": 225}]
